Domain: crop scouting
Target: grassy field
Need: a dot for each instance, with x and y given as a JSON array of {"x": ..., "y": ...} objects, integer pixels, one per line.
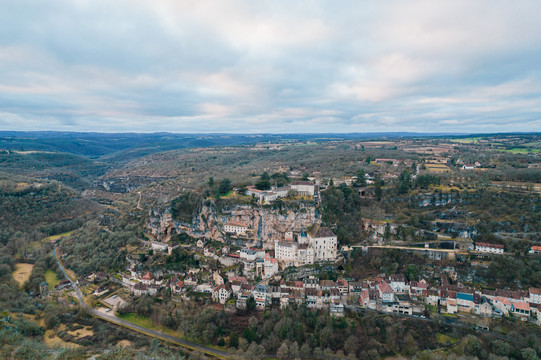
[
  {"x": 138, "y": 320},
  {"x": 52, "y": 238},
  {"x": 437, "y": 168},
  {"x": 533, "y": 144},
  {"x": 52, "y": 340},
  {"x": 56, "y": 237},
  {"x": 51, "y": 278},
  {"x": 472, "y": 140},
  {"x": 521, "y": 150},
  {"x": 446, "y": 339},
  {"x": 22, "y": 272},
  {"x": 147, "y": 323}
]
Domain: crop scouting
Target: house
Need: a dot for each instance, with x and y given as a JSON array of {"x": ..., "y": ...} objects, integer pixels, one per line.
[
  {"x": 209, "y": 251},
  {"x": 324, "y": 242},
  {"x": 140, "y": 289},
  {"x": 190, "y": 280},
  {"x": 286, "y": 251},
  {"x": 521, "y": 309},
  {"x": 468, "y": 167},
  {"x": 398, "y": 283},
  {"x": 489, "y": 248},
  {"x": 156, "y": 245},
  {"x": 153, "y": 289},
  {"x": 400, "y": 307},
  {"x": 148, "y": 278},
  {"x": 355, "y": 287},
  {"x": 535, "y": 250},
  {"x": 311, "y": 282},
  {"x": 326, "y": 284},
  {"x": 267, "y": 196},
  {"x": 385, "y": 292},
  {"x": 251, "y": 254},
  {"x": 433, "y": 298},
  {"x": 418, "y": 287},
  {"x": 245, "y": 293},
  {"x": 235, "y": 228},
  {"x": 482, "y": 306},
  {"x": 375, "y": 300},
  {"x": 200, "y": 243},
  {"x": 452, "y": 306},
  {"x": 394, "y": 162},
  {"x": 261, "y": 296},
  {"x": 175, "y": 285},
  {"x": 312, "y": 297},
  {"x": 342, "y": 286},
  {"x": 502, "y": 304},
  {"x": 304, "y": 187},
  {"x": 465, "y": 301},
  {"x": 336, "y": 309},
  {"x": 364, "y": 299},
  {"x": 535, "y": 295},
  {"x": 217, "y": 278},
  {"x": 222, "y": 293}
]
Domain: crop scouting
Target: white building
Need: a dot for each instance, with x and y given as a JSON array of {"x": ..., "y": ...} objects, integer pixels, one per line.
[
  {"x": 251, "y": 254},
  {"x": 222, "y": 293},
  {"x": 535, "y": 295},
  {"x": 385, "y": 292},
  {"x": 305, "y": 254},
  {"x": 261, "y": 296},
  {"x": 398, "y": 283},
  {"x": 156, "y": 245},
  {"x": 324, "y": 242},
  {"x": 489, "y": 248},
  {"x": 535, "y": 250},
  {"x": 304, "y": 187},
  {"x": 270, "y": 265},
  {"x": 267, "y": 196},
  {"x": 286, "y": 251},
  {"x": 235, "y": 228},
  {"x": 502, "y": 304},
  {"x": 319, "y": 245}
]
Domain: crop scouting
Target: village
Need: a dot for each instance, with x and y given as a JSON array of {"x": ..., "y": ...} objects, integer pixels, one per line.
[{"x": 286, "y": 272}]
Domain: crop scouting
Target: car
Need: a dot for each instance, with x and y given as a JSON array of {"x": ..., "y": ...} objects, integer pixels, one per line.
[
  {"x": 114, "y": 296},
  {"x": 107, "y": 310}
]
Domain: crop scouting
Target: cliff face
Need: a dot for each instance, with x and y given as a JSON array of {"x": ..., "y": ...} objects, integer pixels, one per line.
[{"x": 264, "y": 223}]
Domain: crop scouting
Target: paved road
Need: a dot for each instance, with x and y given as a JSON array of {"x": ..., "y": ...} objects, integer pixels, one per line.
[{"x": 111, "y": 318}]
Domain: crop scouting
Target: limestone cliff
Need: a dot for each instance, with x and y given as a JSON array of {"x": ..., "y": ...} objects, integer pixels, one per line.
[{"x": 264, "y": 223}]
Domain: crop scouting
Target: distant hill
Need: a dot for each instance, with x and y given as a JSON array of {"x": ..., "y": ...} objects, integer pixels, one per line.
[{"x": 98, "y": 145}]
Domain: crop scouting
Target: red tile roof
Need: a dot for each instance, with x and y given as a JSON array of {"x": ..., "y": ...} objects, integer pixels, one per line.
[{"x": 494, "y": 246}]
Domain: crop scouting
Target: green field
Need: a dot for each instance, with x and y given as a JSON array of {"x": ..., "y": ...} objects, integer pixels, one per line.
[
  {"x": 138, "y": 320},
  {"x": 533, "y": 144},
  {"x": 446, "y": 339},
  {"x": 51, "y": 278},
  {"x": 56, "y": 237},
  {"x": 472, "y": 140},
  {"x": 521, "y": 151}
]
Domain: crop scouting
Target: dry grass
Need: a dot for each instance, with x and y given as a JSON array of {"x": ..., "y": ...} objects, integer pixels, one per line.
[
  {"x": 437, "y": 168},
  {"x": 124, "y": 343},
  {"x": 52, "y": 340},
  {"x": 22, "y": 272},
  {"x": 81, "y": 333}
]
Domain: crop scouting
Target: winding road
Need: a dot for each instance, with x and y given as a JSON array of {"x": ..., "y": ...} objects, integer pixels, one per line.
[{"x": 154, "y": 333}]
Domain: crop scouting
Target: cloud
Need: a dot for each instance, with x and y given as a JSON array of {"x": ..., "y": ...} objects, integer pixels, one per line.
[{"x": 240, "y": 66}]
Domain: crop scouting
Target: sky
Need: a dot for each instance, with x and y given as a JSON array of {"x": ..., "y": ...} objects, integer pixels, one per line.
[{"x": 270, "y": 66}]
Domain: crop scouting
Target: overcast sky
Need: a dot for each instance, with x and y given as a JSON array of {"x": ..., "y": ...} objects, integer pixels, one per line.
[{"x": 270, "y": 66}]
